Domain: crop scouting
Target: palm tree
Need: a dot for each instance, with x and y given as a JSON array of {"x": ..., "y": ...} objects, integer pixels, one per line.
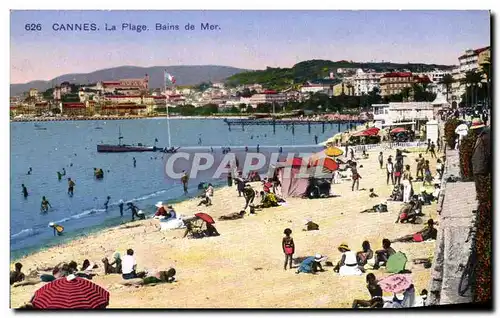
[
  {"x": 472, "y": 79},
  {"x": 486, "y": 71},
  {"x": 447, "y": 81}
]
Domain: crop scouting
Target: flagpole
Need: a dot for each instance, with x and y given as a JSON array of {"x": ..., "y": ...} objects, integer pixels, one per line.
[{"x": 166, "y": 105}]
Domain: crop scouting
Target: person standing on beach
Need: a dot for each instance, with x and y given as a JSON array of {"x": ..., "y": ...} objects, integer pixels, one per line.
[
  {"x": 381, "y": 160},
  {"x": 120, "y": 205},
  {"x": 355, "y": 176},
  {"x": 288, "y": 247},
  {"x": 249, "y": 195},
  {"x": 352, "y": 153},
  {"x": 184, "y": 180},
  {"x": 398, "y": 171},
  {"x": 432, "y": 150},
  {"x": 406, "y": 184},
  {"x": 428, "y": 146},
  {"x": 71, "y": 185},
  {"x": 134, "y": 161},
  {"x": 25, "y": 191},
  {"x": 44, "y": 207},
  {"x": 389, "y": 167},
  {"x": 438, "y": 143},
  {"x": 420, "y": 166},
  {"x": 106, "y": 203}
]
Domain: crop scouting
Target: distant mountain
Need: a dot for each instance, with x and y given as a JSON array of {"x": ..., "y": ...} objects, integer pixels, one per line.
[
  {"x": 279, "y": 78},
  {"x": 184, "y": 75}
]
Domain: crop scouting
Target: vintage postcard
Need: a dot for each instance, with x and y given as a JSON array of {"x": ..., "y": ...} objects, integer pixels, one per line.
[{"x": 250, "y": 159}]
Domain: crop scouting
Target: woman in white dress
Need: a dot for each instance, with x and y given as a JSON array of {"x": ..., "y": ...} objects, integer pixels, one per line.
[
  {"x": 407, "y": 187},
  {"x": 348, "y": 264}
]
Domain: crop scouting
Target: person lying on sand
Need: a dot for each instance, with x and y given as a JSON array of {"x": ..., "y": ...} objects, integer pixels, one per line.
[
  {"x": 381, "y": 256},
  {"x": 428, "y": 233},
  {"x": 311, "y": 265},
  {"x": 153, "y": 278},
  {"x": 348, "y": 264},
  {"x": 375, "y": 291},
  {"x": 233, "y": 216},
  {"x": 16, "y": 275},
  {"x": 381, "y": 207}
]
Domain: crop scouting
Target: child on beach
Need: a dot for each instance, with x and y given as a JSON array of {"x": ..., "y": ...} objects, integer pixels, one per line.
[
  {"x": 381, "y": 159},
  {"x": 288, "y": 247},
  {"x": 355, "y": 176}
]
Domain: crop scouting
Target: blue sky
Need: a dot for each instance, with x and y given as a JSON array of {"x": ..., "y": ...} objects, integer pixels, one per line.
[{"x": 247, "y": 39}]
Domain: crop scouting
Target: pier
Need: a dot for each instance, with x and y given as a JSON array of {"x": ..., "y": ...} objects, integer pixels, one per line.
[{"x": 289, "y": 122}]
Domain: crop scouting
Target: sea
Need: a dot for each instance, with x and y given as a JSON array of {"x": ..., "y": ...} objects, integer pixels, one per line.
[{"x": 48, "y": 147}]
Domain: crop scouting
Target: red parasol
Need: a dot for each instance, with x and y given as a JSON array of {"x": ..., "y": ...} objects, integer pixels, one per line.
[
  {"x": 205, "y": 217},
  {"x": 396, "y": 283},
  {"x": 77, "y": 293},
  {"x": 368, "y": 132},
  {"x": 398, "y": 130},
  {"x": 326, "y": 162}
]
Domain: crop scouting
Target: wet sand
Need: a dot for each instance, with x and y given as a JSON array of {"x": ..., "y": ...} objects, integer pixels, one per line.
[{"x": 243, "y": 268}]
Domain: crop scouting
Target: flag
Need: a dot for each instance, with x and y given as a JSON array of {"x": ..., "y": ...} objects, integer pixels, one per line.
[{"x": 169, "y": 78}]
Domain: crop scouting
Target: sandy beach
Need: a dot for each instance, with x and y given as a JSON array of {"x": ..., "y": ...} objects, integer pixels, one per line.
[{"x": 243, "y": 268}]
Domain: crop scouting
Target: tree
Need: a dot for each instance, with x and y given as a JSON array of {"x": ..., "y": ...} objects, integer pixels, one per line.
[
  {"x": 209, "y": 109},
  {"x": 471, "y": 80},
  {"x": 55, "y": 110},
  {"x": 447, "y": 81}
]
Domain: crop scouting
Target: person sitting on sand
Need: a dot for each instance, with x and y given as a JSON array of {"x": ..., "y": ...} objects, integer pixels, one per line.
[
  {"x": 129, "y": 266},
  {"x": 16, "y": 275},
  {"x": 373, "y": 194},
  {"x": 211, "y": 230},
  {"x": 407, "y": 213},
  {"x": 109, "y": 268},
  {"x": 233, "y": 216},
  {"x": 408, "y": 300},
  {"x": 209, "y": 192},
  {"x": 428, "y": 233},
  {"x": 311, "y": 226},
  {"x": 348, "y": 264},
  {"x": 375, "y": 291},
  {"x": 161, "y": 212},
  {"x": 365, "y": 254},
  {"x": 269, "y": 200},
  {"x": 381, "y": 256},
  {"x": 311, "y": 264}
]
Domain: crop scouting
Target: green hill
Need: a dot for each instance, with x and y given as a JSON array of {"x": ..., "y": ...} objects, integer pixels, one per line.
[{"x": 279, "y": 78}]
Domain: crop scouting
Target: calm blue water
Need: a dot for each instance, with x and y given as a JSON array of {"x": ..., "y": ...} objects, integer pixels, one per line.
[{"x": 72, "y": 145}]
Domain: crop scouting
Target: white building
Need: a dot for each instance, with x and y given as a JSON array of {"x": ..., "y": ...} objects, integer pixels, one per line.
[
  {"x": 364, "y": 82},
  {"x": 313, "y": 88},
  {"x": 380, "y": 114},
  {"x": 410, "y": 111},
  {"x": 267, "y": 97}
]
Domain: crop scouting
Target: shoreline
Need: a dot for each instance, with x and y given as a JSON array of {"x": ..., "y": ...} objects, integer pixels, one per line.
[{"x": 241, "y": 284}]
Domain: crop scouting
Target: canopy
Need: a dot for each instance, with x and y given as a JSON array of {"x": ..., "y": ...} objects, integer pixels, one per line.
[
  {"x": 398, "y": 130},
  {"x": 373, "y": 131},
  {"x": 396, "y": 283},
  {"x": 205, "y": 217},
  {"x": 71, "y": 293},
  {"x": 326, "y": 162}
]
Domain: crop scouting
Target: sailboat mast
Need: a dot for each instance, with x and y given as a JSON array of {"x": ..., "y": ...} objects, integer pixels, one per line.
[{"x": 166, "y": 105}]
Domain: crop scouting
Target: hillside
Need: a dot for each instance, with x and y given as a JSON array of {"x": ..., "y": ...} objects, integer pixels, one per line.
[
  {"x": 185, "y": 75},
  {"x": 283, "y": 77}
]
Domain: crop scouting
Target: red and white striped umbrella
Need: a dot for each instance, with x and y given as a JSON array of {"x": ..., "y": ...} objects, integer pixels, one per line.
[{"x": 76, "y": 293}]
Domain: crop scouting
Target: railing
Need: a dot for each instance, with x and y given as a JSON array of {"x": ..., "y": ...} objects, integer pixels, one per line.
[{"x": 389, "y": 145}]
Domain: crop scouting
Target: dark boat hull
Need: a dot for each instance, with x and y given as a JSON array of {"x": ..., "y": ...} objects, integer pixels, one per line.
[{"x": 123, "y": 148}]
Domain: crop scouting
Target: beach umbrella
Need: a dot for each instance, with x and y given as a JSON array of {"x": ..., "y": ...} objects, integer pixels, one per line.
[
  {"x": 398, "y": 130},
  {"x": 367, "y": 132},
  {"x": 71, "y": 293},
  {"x": 462, "y": 130},
  {"x": 396, "y": 263},
  {"x": 327, "y": 163},
  {"x": 333, "y": 151},
  {"x": 205, "y": 217},
  {"x": 396, "y": 283}
]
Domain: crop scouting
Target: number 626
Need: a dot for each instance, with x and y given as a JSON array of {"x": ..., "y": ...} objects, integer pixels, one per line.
[{"x": 33, "y": 27}]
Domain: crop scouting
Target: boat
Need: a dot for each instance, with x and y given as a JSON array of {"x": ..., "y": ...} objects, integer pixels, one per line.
[{"x": 124, "y": 148}]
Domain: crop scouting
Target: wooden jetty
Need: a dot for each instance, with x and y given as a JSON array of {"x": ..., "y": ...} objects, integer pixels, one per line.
[{"x": 288, "y": 123}]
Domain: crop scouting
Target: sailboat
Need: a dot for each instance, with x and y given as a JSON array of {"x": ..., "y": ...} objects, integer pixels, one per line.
[{"x": 124, "y": 148}]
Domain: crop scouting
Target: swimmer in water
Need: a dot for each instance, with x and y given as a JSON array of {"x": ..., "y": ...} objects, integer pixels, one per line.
[
  {"x": 106, "y": 203},
  {"x": 25, "y": 191},
  {"x": 29, "y": 171},
  {"x": 120, "y": 205},
  {"x": 71, "y": 185},
  {"x": 44, "y": 207},
  {"x": 134, "y": 161}
]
